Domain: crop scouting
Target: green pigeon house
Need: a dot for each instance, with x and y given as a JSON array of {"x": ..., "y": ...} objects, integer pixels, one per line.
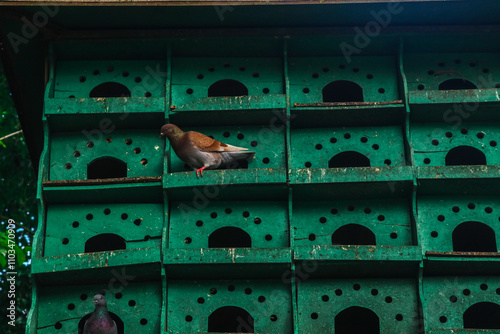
[{"x": 372, "y": 203}]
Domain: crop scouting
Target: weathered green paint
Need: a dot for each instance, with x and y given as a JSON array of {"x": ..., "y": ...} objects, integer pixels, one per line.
[
  {"x": 433, "y": 141},
  {"x": 78, "y": 78},
  {"x": 314, "y": 223},
  {"x": 66, "y": 305},
  {"x": 85, "y": 263},
  {"x": 184, "y": 300},
  {"x": 192, "y": 78},
  {"x": 313, "y": 148},
  {"x": 260, "y": 220},
  {"x": 308, "y": 77},
  {"x": 69, "y": 227},
  {"x": 121, "y": 193},
  {"x": 287, "y": 126},
  {"x": 439, "y": 216},
  {"x": 320, "y": 301},
  {"x": 103, "y": 105},
  {"x": 71, "y": 153},
  {"x": 439, "y": 302}
]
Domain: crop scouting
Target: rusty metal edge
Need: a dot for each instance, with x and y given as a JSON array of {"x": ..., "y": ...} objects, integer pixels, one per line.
[
  {"x": 122, "y": 180},
  {"x": 462, "y": 254}
]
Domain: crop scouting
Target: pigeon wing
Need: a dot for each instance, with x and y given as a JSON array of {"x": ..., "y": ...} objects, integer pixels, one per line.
[{"x": 207, "y": 144}]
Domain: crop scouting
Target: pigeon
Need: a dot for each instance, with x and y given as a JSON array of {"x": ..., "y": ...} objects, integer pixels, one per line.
[
  {"x": 201, "y": 152},
  {"x": 100, "y": 321}
]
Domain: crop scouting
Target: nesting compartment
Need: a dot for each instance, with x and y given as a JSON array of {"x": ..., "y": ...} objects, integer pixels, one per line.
[{"x": 236, "y": 306}]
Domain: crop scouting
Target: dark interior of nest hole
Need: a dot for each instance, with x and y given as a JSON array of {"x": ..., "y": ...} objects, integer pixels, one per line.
[
  {"x": 484, "y": 315},
  {"x": 349, "y": 159},
  {"x": 342, "y": 91},
  {"x": 110, "y": 89},
  {"x": 474, "y": 237},
  {"x": 227, "y": 87},
  {"x": 105, "y": 242},
  {"x": 464, "y": 156},
  {"x": 230, "y": 319},
  {"x": 348, "y": 321},
  {"x": 456, "y": 84},
  {"x": 106, "y": 168},
  {"x": 353, "y": 234},
  {"x": 229, "y": 237}
]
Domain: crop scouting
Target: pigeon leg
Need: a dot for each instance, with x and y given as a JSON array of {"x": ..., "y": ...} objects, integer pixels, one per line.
[{"x": 201, "y": 171}]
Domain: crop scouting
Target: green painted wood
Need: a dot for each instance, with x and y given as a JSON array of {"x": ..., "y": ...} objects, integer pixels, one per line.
[
  {"x": 226, "y": 255},
  {"x": 193, "y": 225},
  {"x": 91, "y": 261},
  {"x": 71, "y": 153},
  {"x": 138, "y": 305},
  {"x": 357, "y": 253},
  {"x": 342, "y": 114},
  {"x": 190, "y": 303},
  {"x": 351, "y": 174},
  {"x": 393, "y": 302},
  {"x": 315, "y": 223},
  {"x": 69, "y": 227},
  {"x": 120, "y": 193},
  {"x": 375, "y": 75},
  {"x": 426, "y": 71},
  {"x": 220, "y": 179},
  {"x": 193, "y": 77},
  {"x": 78, "y": 78},
  {"x": 250, "y": 102},
  {"x": 439, "y": 217},
  {"x": 104, "y": 105},
  {"x": 447, "y": 298},
  {"x": 315, "y": 147},
  {"x": 434, "y": 141}
]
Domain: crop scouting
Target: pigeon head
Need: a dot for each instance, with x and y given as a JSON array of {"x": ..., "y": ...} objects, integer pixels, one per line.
[
  {"x": 171, "y": 131},
  {"x": 99, "y": 300}
]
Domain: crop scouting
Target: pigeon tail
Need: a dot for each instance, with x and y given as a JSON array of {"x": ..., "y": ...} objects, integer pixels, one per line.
[{"x": 232, "y": 156}]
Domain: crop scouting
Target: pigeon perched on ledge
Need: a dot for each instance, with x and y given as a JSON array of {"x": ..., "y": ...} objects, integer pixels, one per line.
[
  {"x": 100, "y": 321},
  {"x": 201, "y": 152}
]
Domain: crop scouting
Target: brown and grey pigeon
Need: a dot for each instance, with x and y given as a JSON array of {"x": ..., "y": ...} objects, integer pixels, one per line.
[
  {"x": 201, "y": 152},
  {"x": 100, "y": 321}
]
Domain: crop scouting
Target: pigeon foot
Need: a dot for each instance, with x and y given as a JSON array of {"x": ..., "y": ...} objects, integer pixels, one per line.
[{"x": 200, "y": 171}]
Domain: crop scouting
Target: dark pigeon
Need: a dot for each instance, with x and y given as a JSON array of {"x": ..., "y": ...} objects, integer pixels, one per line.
[{"x": 100, "y": 321}]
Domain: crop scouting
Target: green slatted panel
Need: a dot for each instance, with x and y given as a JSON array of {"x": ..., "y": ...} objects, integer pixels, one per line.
[
  {"x": 71, "y": 153},
  {"x": 465, "y": 144},
  {"x": 440, "y": 217},
  {"x": 449, "y": 299},
  {"x": 69, "y": 227},
  {"x": 191, "y": 303},
  {"x": 313, "y": 148},
  {"x": 79, "y": 78},
  {"x": 376, "y": 76},
  {"x": 194, "y": 78},
  {"x": 264, "y": 223},
  {"x": 386, "y": 306},
  {"x": 138, "y": 305},
  {"x": 387, "y": 221}
]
